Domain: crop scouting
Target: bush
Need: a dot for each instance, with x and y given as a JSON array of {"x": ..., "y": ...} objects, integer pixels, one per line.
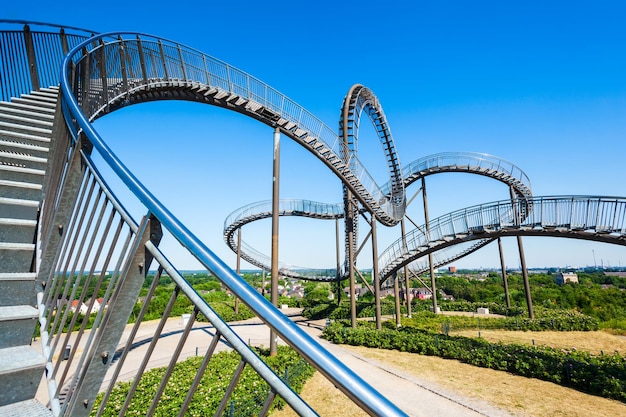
[
  {"x": 603, "y": 375},
  {"x": 247, "y": 398}
]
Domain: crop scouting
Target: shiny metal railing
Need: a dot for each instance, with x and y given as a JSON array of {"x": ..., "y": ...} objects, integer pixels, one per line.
[
  {"x": 585, "y": 217},
  {"x": 288, "y": 207},
  {"x": 470, "y": 162},
  {"x": 81, "y": 84},
  {"x": 135, "y": 62},
  {"x": 31, "y": 54}
]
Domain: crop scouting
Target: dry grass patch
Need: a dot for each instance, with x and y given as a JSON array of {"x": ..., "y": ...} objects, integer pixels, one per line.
[
  {"x": 324, "y": 398},
  {"x": 518, "y": 395},
  {"x": 594, "y": 342}
]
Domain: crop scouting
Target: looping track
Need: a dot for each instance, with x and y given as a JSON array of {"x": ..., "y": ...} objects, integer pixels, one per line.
[
  {"x": 132, "y": 68},
  {"x": 466, "y": 162}
]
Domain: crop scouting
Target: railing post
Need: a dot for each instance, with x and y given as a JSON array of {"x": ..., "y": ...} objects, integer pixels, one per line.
[
  {"x": 32, "y": 60},
  {"x": 182, "y": 63},
  {"x": 162, "y": 51},
  {"x": 64, "y": 46},
  {"x": 142, "y": 61},
  {"x": 122, "y": 54},
  {"x": 102, "y": 67},
  {"x": 110, "y": 332}
]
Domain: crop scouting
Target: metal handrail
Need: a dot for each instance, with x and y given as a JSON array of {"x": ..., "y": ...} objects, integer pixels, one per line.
[
  {"x": 35, "y": 63},
  {"x": 287, "y": 207},
  {"x": 604, "y": 215},
  {"x": 166, "y": 62},
  {"x": 473, "y": 162},
  {"x": 344, "y": 378}
]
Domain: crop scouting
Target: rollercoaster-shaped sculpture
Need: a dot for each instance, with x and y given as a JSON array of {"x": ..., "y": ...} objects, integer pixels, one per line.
[{"x": 102, "y": 73}]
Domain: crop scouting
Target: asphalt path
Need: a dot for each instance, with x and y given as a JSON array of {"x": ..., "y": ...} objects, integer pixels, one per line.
[{"x": 415, "y": 396}]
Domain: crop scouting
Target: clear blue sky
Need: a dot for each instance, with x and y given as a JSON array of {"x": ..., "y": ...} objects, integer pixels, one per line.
[{"x": 539, "y": 83}]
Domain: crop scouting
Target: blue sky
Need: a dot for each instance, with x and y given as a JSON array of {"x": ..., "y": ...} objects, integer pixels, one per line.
[{"x": 540, "y": 84}]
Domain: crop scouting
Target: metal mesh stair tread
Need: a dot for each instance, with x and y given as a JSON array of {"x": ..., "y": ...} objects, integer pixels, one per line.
[
  {"x": 8, "y": 313},
  {"x": 17, "y": 276},
  {"x": 29, "y": 408},
  {"x": 13, "y": 359}
]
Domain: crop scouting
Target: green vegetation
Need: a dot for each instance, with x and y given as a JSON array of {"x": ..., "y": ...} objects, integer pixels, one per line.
[
  {"x": 597, "y": 295},
  {"x": 247, "y": 399},
  {"x": 603, "y": 375}
]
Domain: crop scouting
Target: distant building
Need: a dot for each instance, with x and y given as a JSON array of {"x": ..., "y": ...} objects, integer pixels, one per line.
[
  {"x": 452, "y": 269},
  {"x": 562, "y": 277}
]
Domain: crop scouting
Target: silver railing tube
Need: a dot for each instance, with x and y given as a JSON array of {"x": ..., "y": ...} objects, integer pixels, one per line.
[{"x": 344, "y": 378}]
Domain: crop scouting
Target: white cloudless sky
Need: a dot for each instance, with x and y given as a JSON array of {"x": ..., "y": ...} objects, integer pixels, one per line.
[{"x": 540, "y": 84}]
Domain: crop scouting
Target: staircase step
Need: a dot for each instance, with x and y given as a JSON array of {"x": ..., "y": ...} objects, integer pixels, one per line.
[
  {"x": 45, "y": 94},
  {"x": 17, "y": 324},
  {"x": 32, "y": 101},
  {"x": 41, "y": 99},
  {"x": 22, "y": 159},
  {"x": 20, "y": 190},
  {"x": 23, "y": 147},
  {"x": 17, "y": 230},
  {"x": 21, "y": 369},
  {"x": 28, "y": 107},
  {"x": 16, "y": 257},
  {"x": 15, "y": 110},
  {"x": 28, "y": 408},
  {"x": 17, "y": 289},
  {"x": 14, "y": 208},
  {"x": 17, "y": 173},
  {"x": 36, "y": 140},
  {"x": 29, "y": 130},
  {"x": 26, "y": 121}
]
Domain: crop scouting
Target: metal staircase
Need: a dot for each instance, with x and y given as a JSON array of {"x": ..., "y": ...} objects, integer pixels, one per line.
[{"x": 25, "y": 132}]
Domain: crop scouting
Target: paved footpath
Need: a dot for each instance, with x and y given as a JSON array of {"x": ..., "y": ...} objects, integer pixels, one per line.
[{"x": 414, "y": 396}]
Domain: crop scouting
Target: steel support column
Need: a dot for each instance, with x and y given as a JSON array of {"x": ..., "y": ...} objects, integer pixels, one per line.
[
  {"x": 375, "y": 276},
  {"x": 238, "y": 266},
  {"x": 338, "y": 256},
  {"x": 407, "y": 281},
  {"x": 430, "y": 255},
  {"x": 504, "y": 278},
  {"x": 350, "y": 231},
  {"x": 522, "y": 258},
  {"x": 396, "y": 295},
  {"x": 275, "y": 208}
]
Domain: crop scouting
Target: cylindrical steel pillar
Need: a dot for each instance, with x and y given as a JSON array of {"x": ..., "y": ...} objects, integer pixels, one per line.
[
  {"x": 275, "y": 208},
  {"x": 238, "y": 266},
  {"x": 375, "y": 276},
  {"x": 522, "y": 258},
  {"x": 338, "y": 255},
  {"x": 430, "y": 255},
  {"x": 407, "y": 280},
  {"x": 350, "y": 224},
  {"x": 504, "y": 279}
]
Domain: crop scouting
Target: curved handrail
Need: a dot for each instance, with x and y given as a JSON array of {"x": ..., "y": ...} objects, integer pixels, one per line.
[
  {"x": 127, "y": 67},
  {"x": 288, "y": 207},
  {"x": 599, "y": 218},
  {"x": 344, "y": 378},
  {"x": 35, "y": 55},
  {"x": 471, "y": 162}
]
